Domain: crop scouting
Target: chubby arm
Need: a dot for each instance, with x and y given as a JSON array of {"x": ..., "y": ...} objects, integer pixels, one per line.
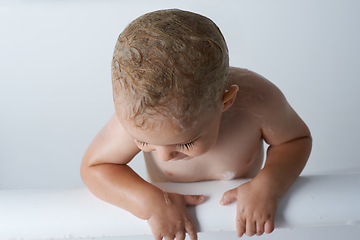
[
  {"x": 289, "y": 140},
  {"x": 104, "y": 171},
  {"x": 290, "y": 145}
]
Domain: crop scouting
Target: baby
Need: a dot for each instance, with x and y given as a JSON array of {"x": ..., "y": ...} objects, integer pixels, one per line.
[{"x": 195, "y": 118}]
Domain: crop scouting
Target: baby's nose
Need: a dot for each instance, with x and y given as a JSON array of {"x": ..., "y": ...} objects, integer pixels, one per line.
[{"x": 165, "y": 154}]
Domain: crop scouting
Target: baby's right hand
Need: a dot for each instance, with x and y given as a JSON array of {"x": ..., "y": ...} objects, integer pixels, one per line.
[{"x": 170, "y": 218}]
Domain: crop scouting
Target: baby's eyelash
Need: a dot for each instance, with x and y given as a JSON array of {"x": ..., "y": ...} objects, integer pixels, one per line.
[
  {"x": 144, "y": 144},
  {"x": 188, "y": 145}
]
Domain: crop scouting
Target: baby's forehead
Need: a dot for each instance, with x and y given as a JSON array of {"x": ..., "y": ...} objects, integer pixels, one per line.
[
  {"x": 161, "y": 131},
  {"x": 174, "y": 109},
  {"x": 170, "y": 123}
]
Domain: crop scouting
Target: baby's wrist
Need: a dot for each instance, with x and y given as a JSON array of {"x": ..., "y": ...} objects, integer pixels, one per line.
[
  {"x": 266, "y": 184},
  {"x": 154, "y": 201}
]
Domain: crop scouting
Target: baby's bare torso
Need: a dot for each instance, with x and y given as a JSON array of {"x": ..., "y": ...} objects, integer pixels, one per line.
[{"x": 238, "y": 152}]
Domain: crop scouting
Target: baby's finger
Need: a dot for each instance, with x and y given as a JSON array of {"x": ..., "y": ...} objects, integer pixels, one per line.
[
  {"x": 180, "y": 236},
  {"x": 190, "y": 229},
  {"x": 269, "y": 226},
  {"x": 229, "y": 197},
  {"x": 240, "y": 226},
  {"x": 250, "y": 228},
  {"x": 260, "y": 228},
  {"x": 194, "y": 199},
  {"x": 157, "y": 237}
]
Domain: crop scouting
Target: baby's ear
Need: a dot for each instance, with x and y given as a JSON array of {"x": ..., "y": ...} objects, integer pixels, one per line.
[{"x": 229, "y": 97}]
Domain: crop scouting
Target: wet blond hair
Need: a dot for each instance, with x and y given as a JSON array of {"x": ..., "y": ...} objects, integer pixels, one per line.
[{"x": 169, "y": 62}]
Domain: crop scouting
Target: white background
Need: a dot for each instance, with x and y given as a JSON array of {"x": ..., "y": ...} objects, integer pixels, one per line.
[{"x": 55, "y": 86}]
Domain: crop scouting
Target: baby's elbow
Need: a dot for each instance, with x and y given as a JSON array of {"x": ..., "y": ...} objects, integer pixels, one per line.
[
  {"x": 309, "y": 138},
  {"x": 85, "y": 169},
  {"x": 310, "y": 143},
  {"x": 306, "y": 141},
  {"x": 306, "y": 138},
  {"x": 307, "y": 146}
]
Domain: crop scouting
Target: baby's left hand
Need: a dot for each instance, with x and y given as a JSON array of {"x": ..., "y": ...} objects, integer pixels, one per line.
[{"x": 256, "y": 208}]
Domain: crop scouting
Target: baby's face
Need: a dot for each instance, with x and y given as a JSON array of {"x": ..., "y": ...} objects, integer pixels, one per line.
[{"x": 172, "y": 142}]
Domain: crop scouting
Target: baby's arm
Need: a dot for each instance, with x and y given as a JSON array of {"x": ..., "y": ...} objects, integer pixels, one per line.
[
  {"x": 105, "y": 171},
  {"x": 290, "y": 145}
]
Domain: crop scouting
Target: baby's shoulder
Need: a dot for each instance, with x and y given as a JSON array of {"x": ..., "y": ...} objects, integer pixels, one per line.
[
  {"x": 256, "y": 93},
  {"x": 251, "y": 84}
]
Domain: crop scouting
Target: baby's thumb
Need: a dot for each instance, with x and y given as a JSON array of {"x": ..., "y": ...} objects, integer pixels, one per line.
[
  {"x": 228, "y": 197},
  {"x": 194, "y": 199}
]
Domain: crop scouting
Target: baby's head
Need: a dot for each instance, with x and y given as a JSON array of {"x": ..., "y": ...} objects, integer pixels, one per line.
[{"x": 169, "y": 64}]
